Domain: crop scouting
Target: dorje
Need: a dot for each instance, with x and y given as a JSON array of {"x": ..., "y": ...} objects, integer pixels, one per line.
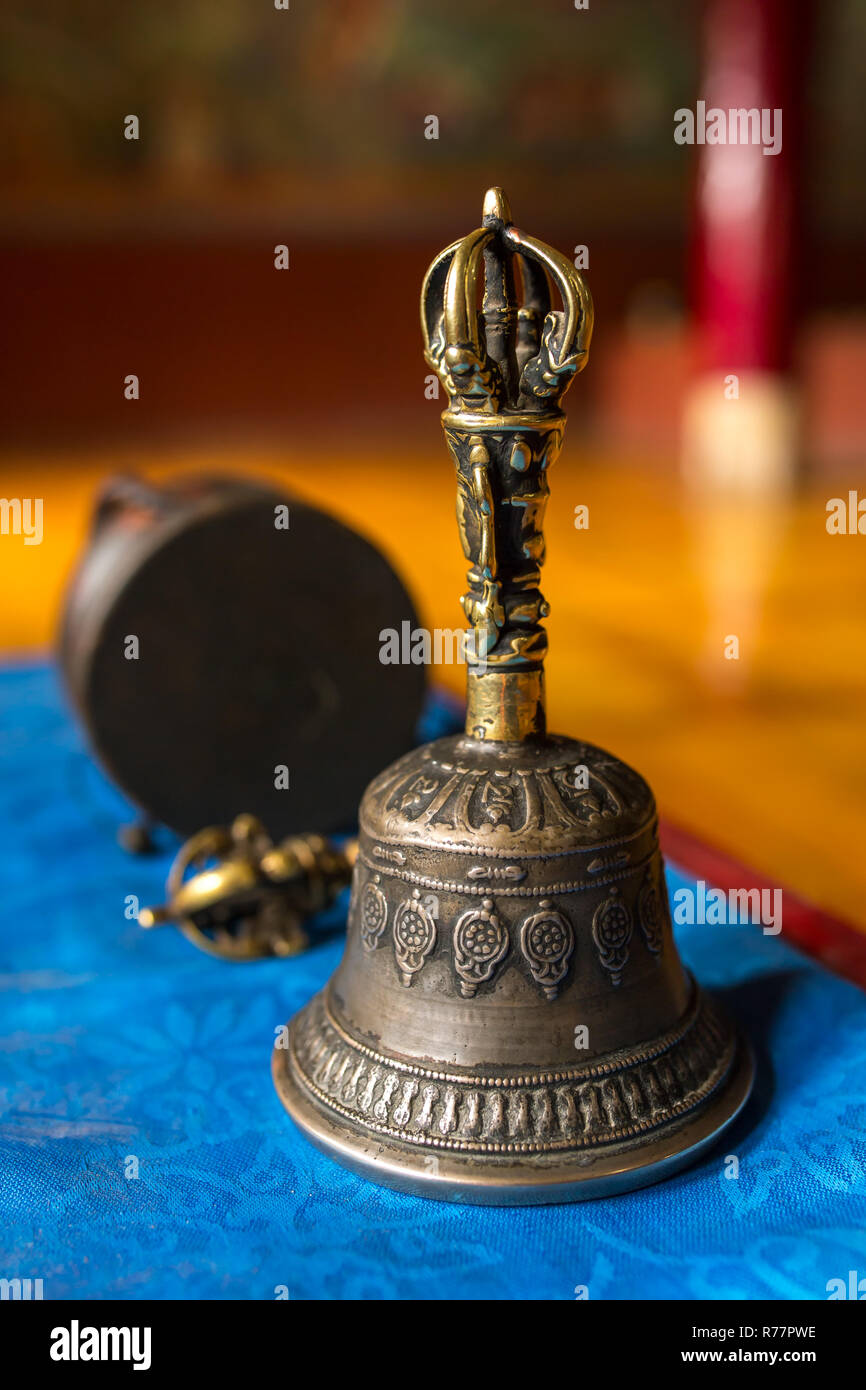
[
  {"x": 510, "y": 1022},
  {"x": 235, "y": 894}
]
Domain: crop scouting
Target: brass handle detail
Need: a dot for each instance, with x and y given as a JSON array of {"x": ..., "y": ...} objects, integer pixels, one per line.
[{"x": 505, "y": 369}]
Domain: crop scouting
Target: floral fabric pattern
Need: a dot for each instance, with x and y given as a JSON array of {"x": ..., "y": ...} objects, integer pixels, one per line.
[{"x": 144, "y": 1153}]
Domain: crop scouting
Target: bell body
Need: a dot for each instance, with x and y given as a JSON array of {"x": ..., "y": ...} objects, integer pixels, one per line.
[{"x": 511, "y": 1022}]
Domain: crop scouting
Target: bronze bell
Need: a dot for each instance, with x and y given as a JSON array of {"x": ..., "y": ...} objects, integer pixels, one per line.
[{"x": 510, "y": 1022}]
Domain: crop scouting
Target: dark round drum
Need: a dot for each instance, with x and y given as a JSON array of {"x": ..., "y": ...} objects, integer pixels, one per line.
[{"x": 224, "y": 661}]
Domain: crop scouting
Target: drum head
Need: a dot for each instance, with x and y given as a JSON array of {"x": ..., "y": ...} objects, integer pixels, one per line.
[{"x": 258, "y": 684}]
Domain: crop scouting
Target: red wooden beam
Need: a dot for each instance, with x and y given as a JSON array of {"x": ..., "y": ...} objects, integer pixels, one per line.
[{"x": 834, "y": 942}]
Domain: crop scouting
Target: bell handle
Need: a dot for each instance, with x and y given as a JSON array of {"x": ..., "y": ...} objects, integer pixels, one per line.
[
  {"x": 486, "y": 614},
  {"x": 505, "y": 369}
]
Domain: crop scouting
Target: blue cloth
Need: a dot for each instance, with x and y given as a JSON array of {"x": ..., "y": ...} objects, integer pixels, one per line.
[{"x": 119, "y": 1044}]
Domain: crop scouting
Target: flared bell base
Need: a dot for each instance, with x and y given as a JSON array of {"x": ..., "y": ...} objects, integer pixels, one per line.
[{"x": 506, "y": 1138}]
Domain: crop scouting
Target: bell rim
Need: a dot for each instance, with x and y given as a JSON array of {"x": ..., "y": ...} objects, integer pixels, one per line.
[{"x": 585, "y": 1176}]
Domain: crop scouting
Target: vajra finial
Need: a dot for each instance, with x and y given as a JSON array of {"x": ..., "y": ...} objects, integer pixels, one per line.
[{"x": 505, "y": 368}]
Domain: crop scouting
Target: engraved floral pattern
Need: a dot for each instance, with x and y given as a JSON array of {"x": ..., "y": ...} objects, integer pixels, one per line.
[
  {"x": 480, "y": 943},
  {"x": 547, "y": 941},
  {"x": 650, "y": 914},
  {"x": 414, "y": 936},
  {"x": 374, "y": 915},
  {"x": 611, "y": 931}
]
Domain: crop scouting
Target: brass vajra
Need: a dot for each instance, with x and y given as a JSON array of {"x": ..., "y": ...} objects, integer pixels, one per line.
[
  {"x": 511, "y": 1021},
  {"x": 246, "y": 896}
]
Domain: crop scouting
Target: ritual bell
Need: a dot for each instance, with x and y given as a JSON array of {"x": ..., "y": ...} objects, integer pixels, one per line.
[{"x": 511, "y": 1022}]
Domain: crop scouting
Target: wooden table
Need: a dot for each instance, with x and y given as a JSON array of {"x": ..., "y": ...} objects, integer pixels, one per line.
[{"x": 763, "y": 757}]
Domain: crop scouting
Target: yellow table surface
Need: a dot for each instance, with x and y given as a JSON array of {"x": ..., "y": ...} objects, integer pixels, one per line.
[{"x": 764, "y": 757}]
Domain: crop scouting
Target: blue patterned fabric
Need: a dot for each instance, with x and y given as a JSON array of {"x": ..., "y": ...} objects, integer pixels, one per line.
[{"x": 117, "y": 1043}]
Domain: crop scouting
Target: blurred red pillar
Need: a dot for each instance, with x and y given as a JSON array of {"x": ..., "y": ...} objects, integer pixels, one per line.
[
  {"x": 748, "y": 236},
  {"x": 742, "y": 419}
]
